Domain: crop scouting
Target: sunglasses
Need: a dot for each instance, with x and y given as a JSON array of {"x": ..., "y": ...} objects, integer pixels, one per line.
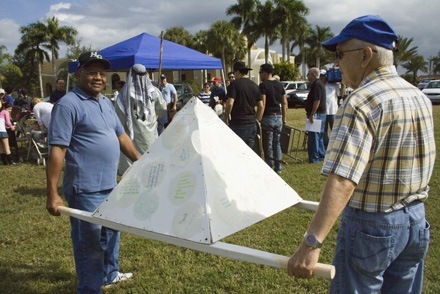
[{"x": 340, "y": 53}]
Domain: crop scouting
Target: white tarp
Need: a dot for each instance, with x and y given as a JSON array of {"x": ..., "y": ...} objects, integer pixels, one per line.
[{"x": 198, "y": 181}]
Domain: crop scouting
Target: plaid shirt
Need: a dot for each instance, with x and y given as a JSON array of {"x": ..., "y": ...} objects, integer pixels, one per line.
[{"x": 383, "y": 140}]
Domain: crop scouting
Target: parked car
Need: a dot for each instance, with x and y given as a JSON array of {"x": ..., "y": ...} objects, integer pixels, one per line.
[
  {"x": 184, "y": 94},
  {"x": 423, "y": 83},
  {"x": 298, "y": 98},
  {"x": 432, "y": 91},
  {"x": 292, "y": 85}
]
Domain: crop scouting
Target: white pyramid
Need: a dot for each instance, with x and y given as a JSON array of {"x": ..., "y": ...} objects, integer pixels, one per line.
[{"x": 198, "y": 181}]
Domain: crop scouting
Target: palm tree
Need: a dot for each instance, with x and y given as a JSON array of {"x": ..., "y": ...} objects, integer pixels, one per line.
[
  {"x": 317, "y": 36},
  {"x": 246, "y": 14},
  {"x": 291, "y": 14},
  {"x": 200, "y": 41},
  {"x": 417, "y": 63},
  {"x": 436, "y": 63},
  {"x": 226, "y": 42},
  {"x": 33, "y": 40},
  {"x": 39, "y": 36},
  {"x": 4, "y": 57},
  {"x": 56, "y": 34},
  {"x": 268, "y": 24},
  {"x": 300, "y": 36},
  {"x": 404, "y": 53},
  {"x": 178, "y": 35}
]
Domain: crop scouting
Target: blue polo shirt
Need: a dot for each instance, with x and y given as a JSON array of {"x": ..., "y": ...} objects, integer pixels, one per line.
[{"x": 90, "y": 129}]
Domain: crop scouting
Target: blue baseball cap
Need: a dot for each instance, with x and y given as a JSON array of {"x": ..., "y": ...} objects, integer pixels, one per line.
[{"x": 370, "y": 28}]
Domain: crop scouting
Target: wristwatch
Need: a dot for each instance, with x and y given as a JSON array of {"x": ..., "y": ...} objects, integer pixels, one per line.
[{"x": 311, "y": 241}]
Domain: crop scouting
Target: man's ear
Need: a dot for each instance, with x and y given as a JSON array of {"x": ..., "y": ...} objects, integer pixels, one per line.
[{"x": 367, "y": 55}]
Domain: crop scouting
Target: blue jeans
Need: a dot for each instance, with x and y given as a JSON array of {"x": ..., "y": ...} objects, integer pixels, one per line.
[
  {"x": 381, "y": 252},
  {"x": 329, "y": 121},
  {"x": 95, "y": 248},
  {"x": 161, "y": 123},
  {"x": 271, "y": 125},
  {"x": 315, "y": 142},
  {"x": 246, "y": 132}
]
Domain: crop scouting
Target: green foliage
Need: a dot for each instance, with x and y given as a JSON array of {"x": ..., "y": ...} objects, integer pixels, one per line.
[
  {"x": 225, "y": 42},
  {"x": 179, "y": 35},
  {"x": 405, "y": 53},
  {"x": 36, "y": 253},
  {"x": 286, "y": 71},
  {"x": 10, "y": 75},
  {"x": 436, "y": 63},
  {"x": 414, "y": 65},
  {"x": 408, "y": 77}
]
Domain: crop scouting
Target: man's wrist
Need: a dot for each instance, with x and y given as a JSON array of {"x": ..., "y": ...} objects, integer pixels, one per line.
[{"x": 312, "y": 241}]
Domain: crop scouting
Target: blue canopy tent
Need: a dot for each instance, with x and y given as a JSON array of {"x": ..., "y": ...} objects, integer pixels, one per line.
[{"x": 145, "y": 49}]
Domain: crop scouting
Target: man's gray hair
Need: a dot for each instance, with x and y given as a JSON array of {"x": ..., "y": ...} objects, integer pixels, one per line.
[
  {"x": 314, "y": 71},
  {"x": 383, "y": 55}
]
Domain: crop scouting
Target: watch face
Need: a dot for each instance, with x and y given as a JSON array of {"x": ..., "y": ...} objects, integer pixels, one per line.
[{"x": 311, "y": 240}]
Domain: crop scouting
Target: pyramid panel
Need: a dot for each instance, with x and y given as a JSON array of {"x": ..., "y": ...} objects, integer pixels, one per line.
[{"x": 198, "y": 181}]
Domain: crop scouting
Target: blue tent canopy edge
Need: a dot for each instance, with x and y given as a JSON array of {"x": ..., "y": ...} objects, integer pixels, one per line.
[{"x": 145, "y": 49}]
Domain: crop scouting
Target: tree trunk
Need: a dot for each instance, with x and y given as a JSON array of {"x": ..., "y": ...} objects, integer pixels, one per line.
[
  {"x": 283, "y": 49},
  {"x": 40, "y": 78},
  {"x": 249, "y": 56},
  {"x": 266, "y": 49},
  {"x": 224, "y": 61},
  {"x": 303, "y": 66}
]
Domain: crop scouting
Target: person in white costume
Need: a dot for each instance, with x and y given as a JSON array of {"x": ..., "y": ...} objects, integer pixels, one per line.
[{"x": 138, "y": 105}]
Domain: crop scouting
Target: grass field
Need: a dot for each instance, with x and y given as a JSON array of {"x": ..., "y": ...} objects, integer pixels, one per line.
[{"x": 36, "y": 254}]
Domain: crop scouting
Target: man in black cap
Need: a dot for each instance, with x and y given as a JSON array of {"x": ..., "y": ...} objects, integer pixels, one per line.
[
  {"x": 243, "y": 95},
  {"x": 379, "y": 162},
  {"x": 274, "y": 116},
  {"x": 86, "y": 132}
]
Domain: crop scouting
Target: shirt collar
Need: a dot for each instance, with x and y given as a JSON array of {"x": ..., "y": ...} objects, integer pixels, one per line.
[{"x": 380, "y": 72}]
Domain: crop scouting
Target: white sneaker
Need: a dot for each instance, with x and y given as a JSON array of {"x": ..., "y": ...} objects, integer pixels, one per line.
[{"x": 119, "y": 278}]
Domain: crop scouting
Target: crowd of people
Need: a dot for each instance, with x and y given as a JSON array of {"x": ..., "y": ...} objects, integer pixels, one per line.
[{"x": 377, "y": 150}]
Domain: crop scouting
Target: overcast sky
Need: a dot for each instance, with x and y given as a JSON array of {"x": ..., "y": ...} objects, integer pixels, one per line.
[{"x": 103, "y": 23}]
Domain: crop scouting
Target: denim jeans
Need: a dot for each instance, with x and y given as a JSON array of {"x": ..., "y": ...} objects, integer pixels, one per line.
[
  {"x": 381, "y": 252},
  {"x": 95, "y": 248},
  {"x": 271, "y": 125},
  {"x": 246, "y": 132},
  {"x": 315, "y": 142},
  {"x": 329, "y": 121}
]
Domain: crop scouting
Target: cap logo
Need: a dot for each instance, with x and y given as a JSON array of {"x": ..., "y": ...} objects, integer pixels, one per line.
[{"x": 96, "y": 55}]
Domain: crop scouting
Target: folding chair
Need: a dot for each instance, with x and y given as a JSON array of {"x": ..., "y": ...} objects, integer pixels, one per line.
[
  {"x": 22, "y": 134},
  {"x": 37, "y": 143}
]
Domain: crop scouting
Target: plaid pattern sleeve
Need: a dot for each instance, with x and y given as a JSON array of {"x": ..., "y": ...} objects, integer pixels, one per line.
[{"x": 383, "y": 140}]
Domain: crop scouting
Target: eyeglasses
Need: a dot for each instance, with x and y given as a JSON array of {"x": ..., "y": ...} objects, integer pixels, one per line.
[
  {"x": 231, "y": 77},
  {"x": 95, "y": 73},
  {"x": 340, "y": 53}
]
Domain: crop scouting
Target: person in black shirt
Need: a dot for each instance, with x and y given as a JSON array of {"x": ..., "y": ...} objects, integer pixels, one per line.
[
  {"x": 274, "y": 99},
  {"x": 243, "y": 95},
  {"x": 316, "y": 110},
  {"x": 59, "y": 92}
]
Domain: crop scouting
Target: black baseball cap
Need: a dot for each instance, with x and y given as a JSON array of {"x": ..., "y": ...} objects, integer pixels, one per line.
[{"x": 92, "y": 56}]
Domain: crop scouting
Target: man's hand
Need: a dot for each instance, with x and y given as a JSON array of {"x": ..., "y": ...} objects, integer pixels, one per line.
[
  {"x": 302, "y": 263},
  {"x": 52, "y": 204}
]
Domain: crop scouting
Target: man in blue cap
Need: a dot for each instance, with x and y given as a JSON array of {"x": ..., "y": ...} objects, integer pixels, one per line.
[
  {"x": 86, "y": 137},
  {"x": 379, "y": 162}
]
